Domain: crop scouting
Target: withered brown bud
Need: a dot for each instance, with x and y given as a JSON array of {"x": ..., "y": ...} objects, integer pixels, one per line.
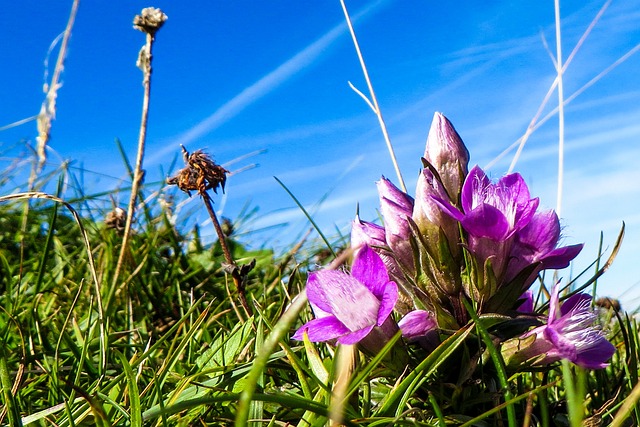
[
  {"x": 200, "y": 174},
  {"x": 116, "y": 219},
  {"x": 150, "y": 20},
  {"x": 608, "y": 303}
]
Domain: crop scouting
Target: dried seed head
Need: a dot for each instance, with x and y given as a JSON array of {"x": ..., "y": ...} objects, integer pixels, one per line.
[
  {"x": 150, "y": 20},
  {"x": 200, "y": 174},
  {"x": 116, "y": 219},
  {"x": 608, "y": 303}
]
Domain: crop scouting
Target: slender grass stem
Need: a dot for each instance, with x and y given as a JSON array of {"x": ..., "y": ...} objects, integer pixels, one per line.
[
  {"x": 144, "y": 62},
  {"x": 560, "y": 72},
  {"x": 48, "y": 108},
  {"x": 534, "y": 124},
  {"x": 373, "y": 103},
  {"x": 7, "y": 394}
]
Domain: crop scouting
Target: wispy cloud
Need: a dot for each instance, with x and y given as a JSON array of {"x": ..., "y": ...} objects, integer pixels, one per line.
[{"x": 263, "y": 86}]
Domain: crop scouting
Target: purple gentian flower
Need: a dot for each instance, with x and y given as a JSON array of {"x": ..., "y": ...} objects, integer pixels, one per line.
[
  {"x": 416, "y": 324},
  {"x": 349, "y": 306},
  {"x": 570, "y": 334},
  {"x": 503, "y": 226},
  {"x": 374, "y": 236},
  {"x": 428, "y": 215},
  {"x": 367, "y": 233},
  {"x": 396, "y": 207},
  {"x": 420, "y": 327},
  {"x": 447, "y": 154}
]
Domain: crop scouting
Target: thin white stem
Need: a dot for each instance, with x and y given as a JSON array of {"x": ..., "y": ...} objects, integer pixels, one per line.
[
  {"x": 532, "y": 125},
  {"x": 573, "y": 96},
  {"x": 560, "y": 109},
  {"x": 374, "y": 101},
  {"x": 363, "y": 96}
]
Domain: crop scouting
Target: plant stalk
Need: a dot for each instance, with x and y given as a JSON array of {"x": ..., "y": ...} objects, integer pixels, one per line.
[
  {"x": 238, "y": 278},
  {"x": 144, "y": 62}
]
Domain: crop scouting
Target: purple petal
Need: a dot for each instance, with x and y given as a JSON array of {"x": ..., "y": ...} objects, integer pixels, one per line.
[
  {"x": 448, "y": 208},
  {"x": 355, "y": 337},
  {"x": 561, "y": 257},
  {"x": 524, "y": 213},
  {"x": 475, "y": 184},
  {"x": 554, "y": 301},
  {"x": 389, "y": 192},
  {"x": 428, "y": 188},
  {"x": 324, "y": 329},
  {"x": 444, "y": 145},
  {"x": 342, "y": 293},
  {"x": 576, "y": 302},
  {"x": 316, "y": 294},
  {"x": 417, "y": 323},
  {"x": 447, "y": 154},
  {"x": 516, "y": 188},
  {"x": 527, "y": 303},
  {"x": 486, "y": 221},
  {"x": 369, "y": 270},
  {"x": 541, "y": 234},
  {"x": 565, "y": 347},
  {"x": 596, "y": 355},
  {"x": 388, "y": 302},
  {"x": 366, "y": 233}
]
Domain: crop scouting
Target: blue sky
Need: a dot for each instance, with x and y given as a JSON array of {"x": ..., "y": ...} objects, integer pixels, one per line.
[{"x": 272, "y": 77}]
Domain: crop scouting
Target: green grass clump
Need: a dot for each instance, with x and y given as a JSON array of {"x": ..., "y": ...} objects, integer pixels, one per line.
[{"x": 170, "y": 344}]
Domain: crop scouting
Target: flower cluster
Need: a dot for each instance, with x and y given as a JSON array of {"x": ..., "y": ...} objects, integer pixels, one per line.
[{"x": 463, "y": 239}]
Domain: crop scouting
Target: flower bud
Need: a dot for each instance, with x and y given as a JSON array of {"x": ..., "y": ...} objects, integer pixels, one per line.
[
  {"x": 448, "y": 155},
  {"x": 397, "y": 208}
]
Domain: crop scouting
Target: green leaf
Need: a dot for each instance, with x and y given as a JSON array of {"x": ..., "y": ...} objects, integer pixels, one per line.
[{"x": 135, "y": 411}]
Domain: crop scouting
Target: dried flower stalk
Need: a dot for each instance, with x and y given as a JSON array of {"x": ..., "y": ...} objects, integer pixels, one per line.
[
  {"x": 201, "y": 174},
  {"x": 149, "y": 22}
]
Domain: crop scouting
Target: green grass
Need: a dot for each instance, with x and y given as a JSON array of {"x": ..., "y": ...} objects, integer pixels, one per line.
[{"x": 166, "y": 346}]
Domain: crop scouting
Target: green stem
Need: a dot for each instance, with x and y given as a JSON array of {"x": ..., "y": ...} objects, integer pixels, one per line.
[
  {"x": 496, "y": 357},
  {"x": 5, "y": 380}
]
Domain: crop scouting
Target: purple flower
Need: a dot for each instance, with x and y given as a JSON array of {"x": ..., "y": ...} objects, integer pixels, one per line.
[
  {"x": 503, "y": 226},
  {"x": 448, "y": 154},
  {"x": 420, "y": 327},
  {"x": 367, "y": 233},
  {"x": 570, "y": 334},
  {"x": 416, "y": 324},
  {"x": 396, "y": 207},
  {"x": 428, "y": 215},
  {"x": 373, "y": 235},
  {"x": 349, "y": 306},
  {"x": 536, "y": 243}
]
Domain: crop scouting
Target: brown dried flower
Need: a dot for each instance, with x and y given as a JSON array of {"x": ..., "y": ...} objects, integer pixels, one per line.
[
  {"x": 116, "y": 219},
  {"x": 200, "y": 174},
  {"x": 608, "y": 303},
  {"x": 150, "y": 20}
]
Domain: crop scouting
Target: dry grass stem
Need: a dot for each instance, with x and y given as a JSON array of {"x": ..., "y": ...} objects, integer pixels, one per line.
[
  {"x": 48, "y": 108},
  {"x": 535, "y": 124},
  {"x": 149, "y": 22},
  {"x": 373, "y": 103},
  {"x": 560, "y": 72}
]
